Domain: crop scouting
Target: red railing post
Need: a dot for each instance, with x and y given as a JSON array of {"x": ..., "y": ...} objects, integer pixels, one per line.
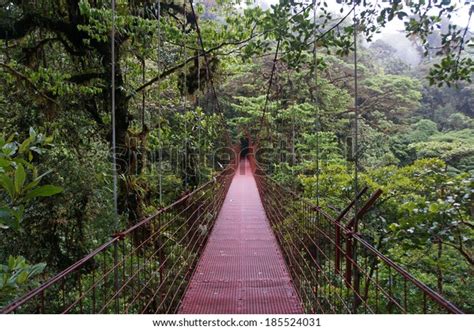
[
  {"x": 348, "y": 273},
  {"x": 337, "y": 261},
  {"x": 116, "y": 279},
  {"x": 337, "y": 227}
]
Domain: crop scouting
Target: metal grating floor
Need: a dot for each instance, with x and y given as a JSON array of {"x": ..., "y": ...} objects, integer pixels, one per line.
[{"x": 241, "y": 270}]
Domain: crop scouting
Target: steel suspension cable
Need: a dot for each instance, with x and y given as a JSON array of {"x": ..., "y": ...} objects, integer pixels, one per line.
[
  {"x": 356, "y": 160},
  {"x": 183, "y": 99},
  {"x": 160, "y": 150},
  {"x": 114, "y": 154},
  {"x": 356, "y": 115},
  {"x": 318, "y": 116},
  {"x": 316, "y": 100},
  {"x": 198, "y": 103},
  {"x": 143, "y": 92},
  {"x": 114, "y": 132}
]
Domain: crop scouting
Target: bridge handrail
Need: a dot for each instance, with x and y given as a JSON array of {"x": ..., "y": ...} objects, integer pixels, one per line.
[
  {"x": 115, "y": 238},
  {"x": 435, "y": 296}
]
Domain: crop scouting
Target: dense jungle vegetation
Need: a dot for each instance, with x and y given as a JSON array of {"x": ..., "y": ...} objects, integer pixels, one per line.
[{"x": 184, "y": 79}]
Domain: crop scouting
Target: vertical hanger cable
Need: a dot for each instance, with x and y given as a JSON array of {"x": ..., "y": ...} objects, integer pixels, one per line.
[
  {"x": 114, "y": 133},
  {"x": 356, "y": 117},
  {"x": 316, "y": 99},
  {"x": 160, "y": 142},
  {"x": 356, "y": 283},
  {"x": 183, "y": 96}
]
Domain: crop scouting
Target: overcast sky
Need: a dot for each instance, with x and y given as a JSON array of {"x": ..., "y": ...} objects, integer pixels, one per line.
[
  {"x": 394, "y": 34},
  {"x": 460, "y": 17}
]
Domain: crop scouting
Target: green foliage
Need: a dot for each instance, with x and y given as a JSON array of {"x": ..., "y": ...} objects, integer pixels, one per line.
[
  {"x": 15, "y": 276},
  {"x": 459, "y": 121},
  {"x": 99, "y": 22},
  {"x": 393, "y": 96},
  {"x": 20, "y": 185},
  {"x": 451, "y": 69},
  {"x": 19, "y": 178},
  {"x": 454, "y": 147}
]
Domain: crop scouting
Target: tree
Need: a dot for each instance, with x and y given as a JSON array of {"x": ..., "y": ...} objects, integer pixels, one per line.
[
  {"x": 394, "y": 97},
  {"x": 455, "y": 148},
  {"x": 387, "y": 58},
  {"x": 19, "y": 187}
]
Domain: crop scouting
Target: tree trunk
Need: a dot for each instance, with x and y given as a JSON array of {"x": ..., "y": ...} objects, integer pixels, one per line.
[
  {"x": 439, "y": 271},
  {"x": 293, "y": 155},
  {"x": 129, "y": 160}
]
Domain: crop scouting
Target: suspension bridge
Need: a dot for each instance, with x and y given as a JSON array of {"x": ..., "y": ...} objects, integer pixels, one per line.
[
  {"x": 242, "y": 268},
  {"x": 240, "y": 243}
]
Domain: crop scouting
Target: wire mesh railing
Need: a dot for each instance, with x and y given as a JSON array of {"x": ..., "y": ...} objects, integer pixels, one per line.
[
  {"x": 334, "y": 269},
  {"x": 144, "y": 269}
]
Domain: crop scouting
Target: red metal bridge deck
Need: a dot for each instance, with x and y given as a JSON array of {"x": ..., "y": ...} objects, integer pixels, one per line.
[{"x": 241, "y": 269}]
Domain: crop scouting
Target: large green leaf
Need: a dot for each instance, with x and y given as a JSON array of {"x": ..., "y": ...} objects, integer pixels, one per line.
[
  {"x": 25, "y": 145},
  {"x": 5, "y": 217},
  {"x": 4, "y": 163},
  {"x": 44, "y": 191},
  {"x": 7, "y": 184},
  {"x": 36, "y": 181},
  {"x": 37, "y": 269},
  {"x": 20, "y": 177}
]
